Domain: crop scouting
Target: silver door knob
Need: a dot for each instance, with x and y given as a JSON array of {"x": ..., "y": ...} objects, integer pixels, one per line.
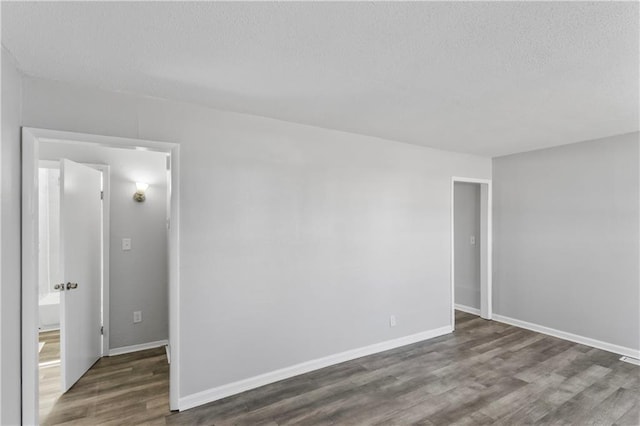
[
  {"x": 59, "y": 287},
  {"x": 71, "y": 286}
]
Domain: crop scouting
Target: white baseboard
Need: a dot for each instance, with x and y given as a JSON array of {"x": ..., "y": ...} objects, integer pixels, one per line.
[
  {"x": 634, "y": 361},
  {"x": 609, "y": 347},
  {"x": 467, "y": 309},
  {"x": 136, "y": 348},
  {"x": 51, "y": 327},
  {"x": 240, "y": 386},
  {"x": 48, "y": 364}
]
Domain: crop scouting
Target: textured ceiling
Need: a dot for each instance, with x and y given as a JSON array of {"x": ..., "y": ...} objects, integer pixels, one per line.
[{"x": 487, "y": 78}]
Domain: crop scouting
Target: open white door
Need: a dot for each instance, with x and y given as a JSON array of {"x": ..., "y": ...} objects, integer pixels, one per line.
[{"x": 80, "y": 234}]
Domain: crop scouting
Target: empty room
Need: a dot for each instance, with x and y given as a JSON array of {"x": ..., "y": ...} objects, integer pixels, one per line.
[{"x": 311, "y": 213}]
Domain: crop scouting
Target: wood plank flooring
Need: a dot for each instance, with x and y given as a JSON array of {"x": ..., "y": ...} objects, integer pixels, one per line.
[
  {"x": 49, "y": 370},
  {"x": 484, "y": 373},
  {"x": 51, "y": 349}
]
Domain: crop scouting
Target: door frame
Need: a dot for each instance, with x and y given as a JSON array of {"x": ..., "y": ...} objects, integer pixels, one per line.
[
  {"x": 486, "y": 247},
  {"x": 105, "y": 169},
  {"x": 31, "y": 138}
]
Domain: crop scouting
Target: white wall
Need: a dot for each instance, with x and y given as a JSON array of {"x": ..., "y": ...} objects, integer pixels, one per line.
[
  {"x": 467, "y": 256},
  {"x": 10, "y": 266},
  {"x": 566, "y": 238},
  {"x": 138, "y": 278},
  {"x": 296, "y": 242}
]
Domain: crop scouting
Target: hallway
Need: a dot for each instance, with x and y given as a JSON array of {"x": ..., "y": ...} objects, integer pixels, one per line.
[{"x": 124, "y": 389}]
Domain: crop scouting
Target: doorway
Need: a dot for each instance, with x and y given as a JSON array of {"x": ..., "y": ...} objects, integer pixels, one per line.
[
  {"x": 65, "y": 353},
  {"x": 471, "y": 247},
  {"x": 35, "y": 142}
]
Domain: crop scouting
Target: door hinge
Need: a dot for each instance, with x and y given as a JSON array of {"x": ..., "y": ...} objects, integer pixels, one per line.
[
  {"x": 168, "y": 162},
  {"x": 102, "y": 195},
  {"x": 102, "y": 330}
]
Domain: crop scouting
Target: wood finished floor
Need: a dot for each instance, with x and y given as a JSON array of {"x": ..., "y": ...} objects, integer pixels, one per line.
[
  {"x": 484, "y": 373},
  {"x": 51, "y": 349},
  {"x": 49, "y": 370}
]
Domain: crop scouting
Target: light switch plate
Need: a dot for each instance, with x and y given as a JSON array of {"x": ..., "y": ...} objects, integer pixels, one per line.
[{"x": 126, "y": 244}]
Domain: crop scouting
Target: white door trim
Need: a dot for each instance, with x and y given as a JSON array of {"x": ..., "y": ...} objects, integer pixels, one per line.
[
  {"x": 486, "y": 257},
  {"x": 106, "y": 232},
  {"x": 31, "y": 139}
]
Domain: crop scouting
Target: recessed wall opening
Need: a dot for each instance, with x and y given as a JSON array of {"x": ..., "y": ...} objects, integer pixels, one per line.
[
  {"x": 471, "y": 247},
  {"x": 100, "y": 258}
]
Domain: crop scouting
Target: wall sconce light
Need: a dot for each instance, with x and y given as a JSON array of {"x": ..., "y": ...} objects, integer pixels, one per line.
[{"x": 141, "y": 187}]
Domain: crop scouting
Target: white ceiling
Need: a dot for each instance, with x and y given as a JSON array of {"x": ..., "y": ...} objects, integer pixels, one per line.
[{"x": 487, "y": 78}]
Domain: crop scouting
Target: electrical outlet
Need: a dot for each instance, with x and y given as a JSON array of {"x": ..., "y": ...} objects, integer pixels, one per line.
[
  {"x": 137, "y": 316},
  {"x": 392, "y": 321},
  {"x": 126, "y": 244}
]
